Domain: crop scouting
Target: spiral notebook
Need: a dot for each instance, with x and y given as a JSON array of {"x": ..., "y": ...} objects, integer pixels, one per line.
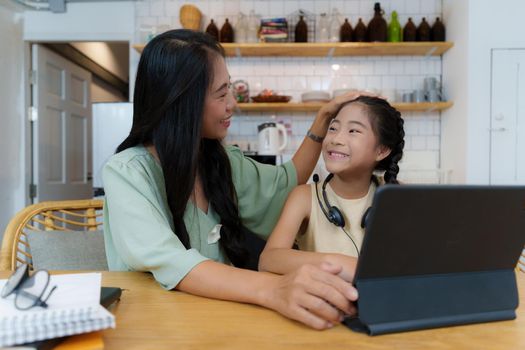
[{"x": 74, "y": 308}]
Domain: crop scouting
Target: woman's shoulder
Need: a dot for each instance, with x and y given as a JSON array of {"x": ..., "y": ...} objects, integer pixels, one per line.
[
  {"x": 130, "y": 155},
  {"x": 234, "y": 153},
  {"x": 131, "y": 162},
  {"x": 133, "y": 158}
]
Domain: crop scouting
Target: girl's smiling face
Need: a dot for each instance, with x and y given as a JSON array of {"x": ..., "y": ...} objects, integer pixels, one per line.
[
  {"x": 351, "y": 146},
  {"x": 219, "y": 103}
]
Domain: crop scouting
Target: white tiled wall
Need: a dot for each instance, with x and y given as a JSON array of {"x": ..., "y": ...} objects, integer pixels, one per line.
[{"x": 292, "y": 75}]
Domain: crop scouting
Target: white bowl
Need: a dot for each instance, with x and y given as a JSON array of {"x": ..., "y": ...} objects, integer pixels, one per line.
[{"x": 315, "y": 96}]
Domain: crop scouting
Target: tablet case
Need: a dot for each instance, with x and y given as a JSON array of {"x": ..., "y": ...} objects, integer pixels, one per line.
[{"x": 438, "y": 256}]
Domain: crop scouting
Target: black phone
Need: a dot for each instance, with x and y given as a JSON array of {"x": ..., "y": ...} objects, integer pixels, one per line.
[{"x": 109, "y": 295}]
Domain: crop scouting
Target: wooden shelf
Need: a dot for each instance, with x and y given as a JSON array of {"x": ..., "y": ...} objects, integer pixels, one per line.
[
  {"x": 332, "y": 49},
  {"x": 314, "y": 107}
]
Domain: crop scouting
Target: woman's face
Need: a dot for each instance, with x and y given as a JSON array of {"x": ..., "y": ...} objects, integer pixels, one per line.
[
  {"x": 219, "y": 103},
  {"x": 351, "y": 146}
]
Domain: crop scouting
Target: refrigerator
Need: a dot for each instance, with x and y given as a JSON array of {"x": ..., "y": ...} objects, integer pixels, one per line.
[{"x": 111, "y": 125}]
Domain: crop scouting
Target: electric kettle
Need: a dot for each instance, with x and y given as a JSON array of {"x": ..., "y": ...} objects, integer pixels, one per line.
[{"x": 269, "y": 138}]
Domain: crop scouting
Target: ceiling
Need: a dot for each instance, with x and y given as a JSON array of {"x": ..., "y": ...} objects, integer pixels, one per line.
[{"x": 57, "y": 6}]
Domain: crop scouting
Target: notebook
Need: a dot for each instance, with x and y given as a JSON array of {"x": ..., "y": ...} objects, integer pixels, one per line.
[
  {"x": 439, "y": 255},
  {"x": 74, "y": 308}
]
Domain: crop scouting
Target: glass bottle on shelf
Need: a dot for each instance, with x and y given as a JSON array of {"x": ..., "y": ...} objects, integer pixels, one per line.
[
  {"x": 394, "y": 29},
  {"x": 335, "y": 26},
  {"x": 323, "y": 34},
  {"x": 252, "y": 32},
  {"x": 437, "y": 32},
  {"x": 212, "y": 30},
  {"x": 301, "y": 31},
  {"x": 360, "y": 31},
  {"x": 226, "y": 34},
  {"x": 377, "y": 28},
  {"x": 423, "y": 31},
  {"x": 241, "y": 28},
  {"x": 410, "y": 31},
  {"x": 346, "y": 31}
]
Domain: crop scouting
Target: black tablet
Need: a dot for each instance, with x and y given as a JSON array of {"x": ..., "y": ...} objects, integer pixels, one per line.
[{"x": 438, "y": 255}]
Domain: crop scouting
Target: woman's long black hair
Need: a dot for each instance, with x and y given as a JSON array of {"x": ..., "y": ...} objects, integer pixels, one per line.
[
  {"x": 174, "y": 74},
  {"x": 387, "y": 124}
]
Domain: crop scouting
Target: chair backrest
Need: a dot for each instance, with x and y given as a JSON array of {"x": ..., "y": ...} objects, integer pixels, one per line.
[{"x": 71, "y": 215}]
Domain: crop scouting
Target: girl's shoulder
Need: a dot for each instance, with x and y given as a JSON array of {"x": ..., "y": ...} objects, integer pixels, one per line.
[{"x": 301, "y": 193}]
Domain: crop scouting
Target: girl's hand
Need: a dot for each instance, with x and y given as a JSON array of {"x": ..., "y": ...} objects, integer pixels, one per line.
[
  {"x": 315, "y": 296},
  {"x": 346, "y": 263}
]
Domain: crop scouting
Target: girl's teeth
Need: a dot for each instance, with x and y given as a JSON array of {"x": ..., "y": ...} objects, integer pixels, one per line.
[{"x": 338, "y": 155}]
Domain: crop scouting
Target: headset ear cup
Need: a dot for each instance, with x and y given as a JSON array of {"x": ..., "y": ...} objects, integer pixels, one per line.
[
  {"x": 364, "y": 219},
  {"x": 336, "y": 217}
]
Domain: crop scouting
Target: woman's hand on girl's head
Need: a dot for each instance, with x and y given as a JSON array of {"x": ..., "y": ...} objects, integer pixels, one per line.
[
  {"x": 315, "y": 296},
  {"x": 328, "y": 110}
]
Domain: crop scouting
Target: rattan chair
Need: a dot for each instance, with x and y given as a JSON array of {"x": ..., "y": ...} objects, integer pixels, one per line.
[
  {"x": 72, "y": 215},
  {"x": 521, "y": 263}
]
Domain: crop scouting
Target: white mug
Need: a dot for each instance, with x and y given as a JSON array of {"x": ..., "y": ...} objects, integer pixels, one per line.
[{"x": 269, "y": 138}]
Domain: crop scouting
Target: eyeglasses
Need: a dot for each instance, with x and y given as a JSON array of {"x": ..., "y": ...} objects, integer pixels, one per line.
[{"x": 29, "y": 289}]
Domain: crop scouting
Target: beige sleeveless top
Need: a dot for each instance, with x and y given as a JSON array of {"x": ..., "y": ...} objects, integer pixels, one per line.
[{"x": 323, "y": 236}]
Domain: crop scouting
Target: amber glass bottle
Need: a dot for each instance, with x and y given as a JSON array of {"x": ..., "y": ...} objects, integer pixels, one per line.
[
  {"x": 437, "y": 32},
  {"x": 410, "y": 31},
  {"x": 377, "y": 28},
  {"x": 301, "y": 31},
  {"x": 213, "y": 30},
  {"x": 226, "y": 32},
  {"x": 360, "y": 31},
  {"x": 346, "y": 31},
  {"x": 423, "y": 31}
]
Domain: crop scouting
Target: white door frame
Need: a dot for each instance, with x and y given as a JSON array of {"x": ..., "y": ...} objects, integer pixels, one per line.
[
  {"x": 491, "y": 110},
  {"x": 57, "y": 37}
]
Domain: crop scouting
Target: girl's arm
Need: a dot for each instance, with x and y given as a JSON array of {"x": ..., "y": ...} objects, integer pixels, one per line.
[{"x": 278, "y": 255}]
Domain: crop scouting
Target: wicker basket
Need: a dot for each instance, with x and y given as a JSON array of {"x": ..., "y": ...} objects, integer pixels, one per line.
[{"x": 190, "y": 17}]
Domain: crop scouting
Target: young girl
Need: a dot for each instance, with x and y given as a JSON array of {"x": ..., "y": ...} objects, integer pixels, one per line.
[{"x": 365, "y": 136}]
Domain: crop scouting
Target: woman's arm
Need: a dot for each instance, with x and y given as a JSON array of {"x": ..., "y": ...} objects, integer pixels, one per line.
[
  {"x": 311, "y": 295},
  {"x": 140, "y": 238},
  {"x": 308, "y": 153},
  {"x": 278, "y": 255}
]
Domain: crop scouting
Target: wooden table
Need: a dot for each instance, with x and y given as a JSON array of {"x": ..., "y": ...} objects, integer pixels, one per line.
[{"x": 149, "y": 317}]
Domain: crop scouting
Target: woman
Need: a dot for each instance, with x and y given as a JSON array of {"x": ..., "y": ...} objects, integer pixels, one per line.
[{"x": 182, "y": 206}]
